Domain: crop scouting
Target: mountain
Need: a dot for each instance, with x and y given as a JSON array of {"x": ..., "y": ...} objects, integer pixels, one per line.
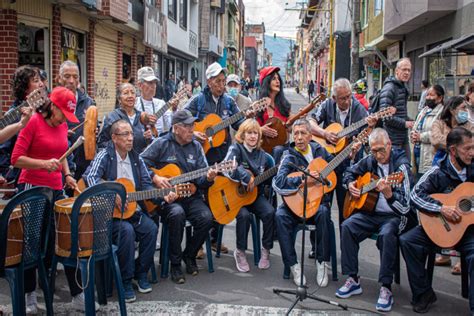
[{"x": 279, "y": 47}]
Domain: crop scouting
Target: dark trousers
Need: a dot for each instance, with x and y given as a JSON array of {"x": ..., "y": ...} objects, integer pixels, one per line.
[
  {"x": 361, "y": 226},
  {"x": 138, "y": 228},
  {"x": 197, "y": 212},
  {"x": 286, "y": 222},
  {"x": 264, "y": 211},
  {"x": 417, "y": 246}
]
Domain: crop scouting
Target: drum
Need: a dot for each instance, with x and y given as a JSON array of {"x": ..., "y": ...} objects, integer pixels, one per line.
[
  {"x": 62, "y": 218},
  {"x": 14, "y": 237},
  {"x": 90, "y": 125}
]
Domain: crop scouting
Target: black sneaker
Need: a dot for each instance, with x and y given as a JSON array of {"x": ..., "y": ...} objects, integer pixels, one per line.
[
  {"x": 425, "y": 302},
  {"x": 191, "y": 266},
  {"x": 177, "y": 275}
]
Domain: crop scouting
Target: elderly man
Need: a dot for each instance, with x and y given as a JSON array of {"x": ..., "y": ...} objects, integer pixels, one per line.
[{"x": 234, "y": 88}]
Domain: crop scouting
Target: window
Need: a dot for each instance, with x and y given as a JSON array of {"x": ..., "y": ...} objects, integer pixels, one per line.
[
  {"x": 183, "y": 14},
  {"x": 378, "y": 7},
  {"x": 172, "y": 9},
  {"x": 364, "y": 12}
]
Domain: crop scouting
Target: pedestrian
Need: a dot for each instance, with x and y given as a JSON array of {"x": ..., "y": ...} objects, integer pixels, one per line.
[
  {"x": 424, "y": 89},
  {"x": 310, "y": 90},
  {"x": 360, "y": 89},
  {"x": 234, "y": 89},
  {"x": 197, "y": 87},
  {"x": 170, "y": 86}
]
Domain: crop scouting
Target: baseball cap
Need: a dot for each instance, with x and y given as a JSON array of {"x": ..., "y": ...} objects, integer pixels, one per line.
[
  {"x": 65, "y": 100},
  {"x": 183, "y": 116},
  {"x": 233, "y": 78},
  {"x": 214, "y": 69},
  {"x": 267, "y": 71},
  {"x": 146, "y": 73}
]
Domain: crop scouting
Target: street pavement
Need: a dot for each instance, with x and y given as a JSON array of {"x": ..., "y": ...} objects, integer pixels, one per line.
[{"x": 229, "y": 292}]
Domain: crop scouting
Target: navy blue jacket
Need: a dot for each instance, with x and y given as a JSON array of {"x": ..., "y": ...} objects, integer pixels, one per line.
[
  {"x": 439, "y": 179},
  {"x": 284, "y": 185},
  {"x": 400, "y": 200},
  {"x": 225, "y": 108}
]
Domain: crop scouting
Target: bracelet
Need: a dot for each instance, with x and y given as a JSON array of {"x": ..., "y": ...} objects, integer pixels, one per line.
[{"x": 68, "y": 175}]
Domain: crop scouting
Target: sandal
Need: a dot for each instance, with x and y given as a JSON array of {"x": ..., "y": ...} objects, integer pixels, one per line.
[
  {"x": 456, "y": 269},
  {"x": 442, "y": 260}
]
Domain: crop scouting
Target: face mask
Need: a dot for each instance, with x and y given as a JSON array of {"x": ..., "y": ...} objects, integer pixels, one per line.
[
  {"x": 234, "y": 92},
  {"x": 462, "y": 117},
  {"x": 430, "y": 103}
]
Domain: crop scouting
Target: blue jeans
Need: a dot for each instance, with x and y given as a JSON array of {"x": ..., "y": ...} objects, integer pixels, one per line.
[{"x": 138, "y": 228}]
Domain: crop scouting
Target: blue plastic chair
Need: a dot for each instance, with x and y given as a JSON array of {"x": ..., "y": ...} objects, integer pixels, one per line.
[
  {"x": 102, "y": 198},
  {"x": 36, "y": 206}
]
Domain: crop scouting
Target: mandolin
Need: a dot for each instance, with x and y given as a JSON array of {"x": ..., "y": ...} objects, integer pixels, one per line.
[
  {"x": 368, "y": 197},
  {"x": 269, "y": 143},
  {"x": 342, "y": 133},
  {"x": 226, "y": 197},
  {"x": 317, "y": 190},
  {"x": 215, "y": 128},
  {"x": 442, "y": 232},
  {"x": 35, "y": 100}
]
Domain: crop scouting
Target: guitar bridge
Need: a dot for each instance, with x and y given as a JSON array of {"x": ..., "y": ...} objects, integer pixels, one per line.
[{"x": 226, "y": 203}]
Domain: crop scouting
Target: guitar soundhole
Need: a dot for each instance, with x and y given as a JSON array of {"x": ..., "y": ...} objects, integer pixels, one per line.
[
  {"x": 465, "y": 205},
  {"x": 209, "y": 132}
]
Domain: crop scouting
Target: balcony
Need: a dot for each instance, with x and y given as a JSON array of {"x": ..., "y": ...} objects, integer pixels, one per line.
[
  {"x": 215, "y": 45},
  {"x": 405, "y": 16},
  {"x": 231, "y": 42},
  {"x": 193, "y": 43}
]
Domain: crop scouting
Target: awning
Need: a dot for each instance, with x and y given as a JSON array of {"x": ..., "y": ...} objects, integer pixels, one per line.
[{"x": 464, "y": 44}]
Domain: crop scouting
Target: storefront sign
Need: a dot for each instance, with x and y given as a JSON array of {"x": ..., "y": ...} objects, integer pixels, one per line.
[
  {"x": 393, "y": 52},
  {"x": 72, "y": 40},
  {"x": 155, "y": 34}
]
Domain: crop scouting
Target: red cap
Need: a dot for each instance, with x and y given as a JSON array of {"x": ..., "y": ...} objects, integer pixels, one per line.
[
  {"x": 264, "y": 72},
  {"x": 65, "y": 100}
]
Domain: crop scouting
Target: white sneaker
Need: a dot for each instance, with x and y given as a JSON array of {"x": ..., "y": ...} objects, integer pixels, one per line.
[
  {"x": 31, "y": 302},
  {"x": 296, "y": 271},
  {"x": 78, "y": 303},
  {"x": 322, "y": 274}
]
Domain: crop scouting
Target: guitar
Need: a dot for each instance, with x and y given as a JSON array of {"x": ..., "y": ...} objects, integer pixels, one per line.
[
  {"x": 368, "y": 197},
  {"x": 342, "y": 133},
  {"x": 215, "y": 128},
  {"x": 317, "y": 190},
  {"x": 182, "y": 190},
  {"x": 269, "y": 143},
  {"x": 442, "y": 232},
  {"x": 226, "y": 197},
  {"x": 35, "y": 100}
]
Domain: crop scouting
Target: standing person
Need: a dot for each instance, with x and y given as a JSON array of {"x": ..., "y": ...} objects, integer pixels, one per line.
[
  {"x": 39, "y": 146},
  {"x": 234, "y": 89},
  {"x": 360, "y": 90},
  {"x": 424, "y": 90},
  {"x": 252, "y": 161},
  {"x": 470, "y": 101},
  {"x": 310, "y": 90},
  {"x": 170, "y": 87},
  {"x": 395, "y": 93},
  {"x": 197, "y": 87}
]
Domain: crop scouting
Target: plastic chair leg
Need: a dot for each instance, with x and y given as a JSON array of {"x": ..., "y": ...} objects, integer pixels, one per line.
[
  {"x": 164, "y": 251},
  {"x": 47, "y": 292},
  {"x": 52, "y": 275},
  {"x": 220, "y": 233},
  {"x": 210, "y": 264},
  {"x": 15, "y": 280},
  {"x": 464, "y": 277},
  {"x": 397, "y": 266},
  {"x": 118, "y": 281},
  {"x": 88, "y": 278},
  {"x": 332, "y": 244},
  {"x": 255, "y": 238},
  {"x": 101, "y": 279},
  {"x": 154, "y": 278}
]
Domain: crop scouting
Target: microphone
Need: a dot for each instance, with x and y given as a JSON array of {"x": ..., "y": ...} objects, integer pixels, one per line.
[{"x": 304, "y": 171}]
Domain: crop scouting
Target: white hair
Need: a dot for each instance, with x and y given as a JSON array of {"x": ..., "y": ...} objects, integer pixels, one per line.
[
  {"x": 402, "y": 60},
  {"x": 379, "y": 134},
  {"x": 340, "y": 83},
  {"x": 67, "y": 63}
]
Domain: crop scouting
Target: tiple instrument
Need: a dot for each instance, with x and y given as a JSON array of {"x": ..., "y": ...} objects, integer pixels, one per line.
[
  {"x": 368, "y": 197},
  {"x": 442, "y": 232},
  {"x": 36, "y": 99}
]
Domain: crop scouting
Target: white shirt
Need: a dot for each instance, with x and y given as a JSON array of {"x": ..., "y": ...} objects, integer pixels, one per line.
[
  {"x": 124, "y": 168},
  {"x": 382, "y": 204},
  {"x": 342, "y": 115},
  {"x": 461, "y": 174},
  {"x": 216, "y": 99},
  {"x": 163, "y": 124}
]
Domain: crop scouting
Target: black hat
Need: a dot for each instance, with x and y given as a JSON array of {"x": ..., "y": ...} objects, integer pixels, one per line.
[{"x": 183, "y": 116}]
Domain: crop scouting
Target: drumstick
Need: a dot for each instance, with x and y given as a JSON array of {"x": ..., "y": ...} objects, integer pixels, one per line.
[
  {"x": 76, "y": 127},
  {"x": 78, "y": 143},
  {"x": 8, "y": 190}
]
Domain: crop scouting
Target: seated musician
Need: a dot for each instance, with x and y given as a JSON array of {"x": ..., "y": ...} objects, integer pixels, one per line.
[
  {"x": 116, "y": 161},
  {"x": 456, "y": 168},
  {"x": 252, "y": 162},
  {"x": 300, "y": 153},
  {"x": 386, "y": 220},
  {"x": 179, "y": 148}
]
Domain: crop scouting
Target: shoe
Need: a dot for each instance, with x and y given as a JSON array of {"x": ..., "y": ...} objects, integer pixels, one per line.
[
  {"x": 456, "y": 269},
  {"x": 191, "y": 266},
  {"x": 311, "y": 254},
  {"x": 296, "y": 271},
  {"x": 349, "y": 288},
  {"x": 224, "y": 249},
  {"x": 322, "y": 274},
  {"x": 442, "y": 260},
  {"x": 177, "y": 275},
  {"x": 264, "y": 262},
  {"x": 129, "y": 292},
  {"x": 157, "y": 246},
  {"x": 143, "y": 285},
  {"x": 241, "y": 261},
  {"x": 200, "y": 254},
  {"x": 385, "y": 301},
  {"x": 424, "y": 303},
  {"x": 31, "y": 302},
  {"x": 78, "y": 303}
]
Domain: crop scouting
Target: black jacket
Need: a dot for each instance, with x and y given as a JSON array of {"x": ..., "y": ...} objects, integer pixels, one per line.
[{"x": 394, "y": 93}]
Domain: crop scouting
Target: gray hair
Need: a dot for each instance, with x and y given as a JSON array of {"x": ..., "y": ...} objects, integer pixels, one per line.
[
  {"x": 402, "y": 60},
  {"x": 340, "y": 83},
  {"x": 303, "y": 122},
  {"x": 67, "y": 63},
  {"x": 379, "y": 134},
  {"x": 115, "y": 126}
]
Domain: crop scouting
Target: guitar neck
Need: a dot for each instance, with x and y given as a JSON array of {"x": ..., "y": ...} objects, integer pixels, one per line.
[
  {"x": 265, "y": 175},
  {"x": 162, "y": 110},
  {"x": 227, "y": 122},
  {"x": 148, "y": 194},
  {"x": 350, "y": 129},
  {"x": 189, "y": 176},
  {"x": 369, "y": 187},
  {"x": 336, "y": 161},
  {"x": 12, "y": 116}
]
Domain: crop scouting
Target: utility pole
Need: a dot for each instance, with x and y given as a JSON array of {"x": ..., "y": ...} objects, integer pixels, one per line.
[{"x": 356, "y": 29}]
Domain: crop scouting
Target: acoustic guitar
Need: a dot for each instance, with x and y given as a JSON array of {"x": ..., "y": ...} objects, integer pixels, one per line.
[
  {"x": 215, "y": 128},
  {"x": 182, "y": 190},
  {"x": 342, "y": 133},
  {"x": 316, "y": 190},
  {"x": 368, "y": 197},
  {"x": 269, "y": 143},
  {"x": 226, "y": 197},
  {"x": 442, "y": 232},
  {"x": 36, "y": 99}
]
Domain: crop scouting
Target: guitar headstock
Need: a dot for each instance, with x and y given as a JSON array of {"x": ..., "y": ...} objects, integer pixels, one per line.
[
  {"x": 320, "y": 98},
  {"x": 37, "y": 98},
  {"x": 395, "y": 178},
  {"x": 227, "y": 165},
  {"x": 386, "y": 113},
  {"x": 363, "y": 136},
  {"x": 185, "y": 189},
  {"x": 260, "y": 105},
  {"x": 181, "y": 94}
]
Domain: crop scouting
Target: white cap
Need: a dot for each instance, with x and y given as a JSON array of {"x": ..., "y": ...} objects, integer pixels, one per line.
[
  {"x": 147, "y": 74},
  {"x": 233, "y": 78},
  {"x": 214, "y": 69}
]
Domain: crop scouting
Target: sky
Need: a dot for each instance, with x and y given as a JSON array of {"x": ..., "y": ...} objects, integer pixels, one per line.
[{"x": 273, "y": 14}]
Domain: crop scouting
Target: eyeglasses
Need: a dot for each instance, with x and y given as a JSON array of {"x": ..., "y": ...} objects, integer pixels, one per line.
[
  {"x": 126, "y": 134},
  {"x": 379, "y": 150}
]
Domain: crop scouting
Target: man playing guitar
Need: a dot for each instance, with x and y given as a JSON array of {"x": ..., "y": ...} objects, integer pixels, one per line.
[
  {"x": 456, "y": 168},
  {"x": 387, "y": 219}
]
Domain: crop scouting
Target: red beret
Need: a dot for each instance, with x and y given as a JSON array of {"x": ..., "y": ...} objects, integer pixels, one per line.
[{"x": 264, "y": 72}]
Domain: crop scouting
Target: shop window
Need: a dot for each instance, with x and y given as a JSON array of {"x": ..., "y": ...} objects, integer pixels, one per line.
[
  {"x": 72, "y": 48},
  {"x": 126, "y": 67},
  {"x": 31, "y": 46},
  {"x": 140, "y": 61},
  {"x": 172, "y": 9}
]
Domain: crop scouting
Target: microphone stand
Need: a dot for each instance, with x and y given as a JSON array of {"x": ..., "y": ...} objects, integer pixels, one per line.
[{"x": 301, "y": 290}]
